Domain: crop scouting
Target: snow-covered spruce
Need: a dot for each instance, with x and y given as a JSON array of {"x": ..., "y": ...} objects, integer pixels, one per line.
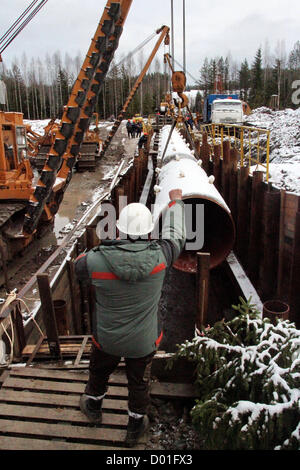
[{"x": 248, "y": 373}]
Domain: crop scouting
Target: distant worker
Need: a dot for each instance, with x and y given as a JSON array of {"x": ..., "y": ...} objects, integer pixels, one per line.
[
  {"x": 143, "y": 140},
  {"x": 128, "y": 275},
  {"x": 134, "y": 129},
  {"x": 139, "y": 128},
  {"x": 129, "y": 129},
  {"x": 190, "y": 122}
]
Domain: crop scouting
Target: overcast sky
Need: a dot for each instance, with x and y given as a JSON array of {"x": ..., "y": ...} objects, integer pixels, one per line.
[{"x": 213, "y": 28}]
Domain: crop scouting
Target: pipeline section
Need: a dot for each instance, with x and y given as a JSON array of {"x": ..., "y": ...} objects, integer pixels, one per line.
[{"x": 209, "y": 224}]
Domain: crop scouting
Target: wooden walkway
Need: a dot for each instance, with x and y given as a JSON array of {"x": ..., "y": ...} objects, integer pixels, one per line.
[{"x": 39, "y": 410}]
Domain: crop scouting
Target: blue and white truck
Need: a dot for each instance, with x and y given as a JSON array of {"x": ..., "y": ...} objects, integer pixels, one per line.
[{"x": 223, "y": 108}]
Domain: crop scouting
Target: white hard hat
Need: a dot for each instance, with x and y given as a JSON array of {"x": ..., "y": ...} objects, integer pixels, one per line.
[{"x": 135, "y": 219}]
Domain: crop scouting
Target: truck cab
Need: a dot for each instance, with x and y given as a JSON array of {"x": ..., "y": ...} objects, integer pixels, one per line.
[
  {"x": 208, "y": 101},
  {"x": 227, "y": 111}
]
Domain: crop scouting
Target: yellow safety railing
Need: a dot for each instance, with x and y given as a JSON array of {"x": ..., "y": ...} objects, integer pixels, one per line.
[{"x": 252, "y": 143}]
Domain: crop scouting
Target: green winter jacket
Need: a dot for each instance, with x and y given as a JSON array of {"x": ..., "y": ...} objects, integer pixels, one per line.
[{"x": 128, "y": 279}]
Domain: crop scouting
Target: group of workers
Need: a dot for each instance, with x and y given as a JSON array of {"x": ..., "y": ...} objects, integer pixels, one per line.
[{"x": 134, "y": 128}]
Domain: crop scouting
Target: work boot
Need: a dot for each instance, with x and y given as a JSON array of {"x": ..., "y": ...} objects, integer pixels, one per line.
[
  {"x": 136, "y": 428},
  {"x": 91, "y": 408}
]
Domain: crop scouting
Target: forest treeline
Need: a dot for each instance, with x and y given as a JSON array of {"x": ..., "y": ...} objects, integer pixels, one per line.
[{"x": 40, "y": 88}]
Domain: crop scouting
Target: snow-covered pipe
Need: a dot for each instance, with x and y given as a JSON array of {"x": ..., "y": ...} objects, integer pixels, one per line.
[{"x": 207, "y": 215}]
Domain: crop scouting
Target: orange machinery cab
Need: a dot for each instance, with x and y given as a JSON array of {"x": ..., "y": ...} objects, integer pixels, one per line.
[{"x": 15, "y": 171}]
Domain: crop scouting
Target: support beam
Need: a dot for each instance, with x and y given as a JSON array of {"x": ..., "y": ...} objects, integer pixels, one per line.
[
  {"x": 49, "y": 315},
  {"x": 203, "y": 263}
]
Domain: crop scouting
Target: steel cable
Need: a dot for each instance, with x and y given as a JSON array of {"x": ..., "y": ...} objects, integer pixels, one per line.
[
  {"x": 136, "y": 49},
  {"x": 17, "y": 21},
  {"x": 22, "y": 26}
]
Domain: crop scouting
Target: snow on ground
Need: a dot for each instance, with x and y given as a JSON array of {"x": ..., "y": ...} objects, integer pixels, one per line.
[
  {"x": 38, "y": 125},
  {"x": 284, "y": 142},
  {"x": 285, "y": 132},
  {"x": 286, "y": 176},
  {"x": 284, "y": 126}
]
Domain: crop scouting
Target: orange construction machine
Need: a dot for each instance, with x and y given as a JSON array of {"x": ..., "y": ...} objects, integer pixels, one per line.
[
  {"x": 25, "y": 207},
  {"x": 39, "y": 145}
]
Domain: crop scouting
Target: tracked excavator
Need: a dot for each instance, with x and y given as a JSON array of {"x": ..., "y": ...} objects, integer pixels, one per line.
[
  {"x": 26, "y": 209},
  {"x": 39, "y": 145}
]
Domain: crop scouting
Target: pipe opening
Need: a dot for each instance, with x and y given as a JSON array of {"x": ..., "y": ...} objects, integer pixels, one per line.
[{"x": 215, "y": 231}]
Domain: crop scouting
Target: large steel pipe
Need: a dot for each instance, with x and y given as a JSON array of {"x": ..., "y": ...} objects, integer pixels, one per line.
[{"x": 208, "y": 218}]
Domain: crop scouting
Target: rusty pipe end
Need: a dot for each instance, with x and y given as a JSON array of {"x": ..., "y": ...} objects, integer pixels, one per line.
[{"x": 218, "y": 234}]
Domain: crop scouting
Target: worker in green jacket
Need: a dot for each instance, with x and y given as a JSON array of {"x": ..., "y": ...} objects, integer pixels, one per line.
[{"x": 128, "y": 276}]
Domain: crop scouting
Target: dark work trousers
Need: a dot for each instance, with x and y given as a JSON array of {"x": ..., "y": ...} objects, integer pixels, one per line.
[{"x": 138, "y": 375}]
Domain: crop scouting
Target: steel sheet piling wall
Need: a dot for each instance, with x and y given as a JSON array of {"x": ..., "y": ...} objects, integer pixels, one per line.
[{"x": 268, "y": 229}]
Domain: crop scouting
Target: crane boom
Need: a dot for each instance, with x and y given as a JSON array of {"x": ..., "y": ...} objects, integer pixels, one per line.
[
  {"x": 76, "y": 116},
  {"x": 164, "y": 30}
]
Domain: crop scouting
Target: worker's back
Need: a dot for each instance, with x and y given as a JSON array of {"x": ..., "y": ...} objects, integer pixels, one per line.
[{"x": 128, "y": 278}]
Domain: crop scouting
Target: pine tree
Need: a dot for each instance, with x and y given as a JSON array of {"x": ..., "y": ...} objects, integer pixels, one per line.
[
  {"x": 204, "y": 82},
  {"x": 247, "y": 371},
  {"x": 244, "y": 80},
  {"x": 198, "y": 103},
  {"x": 256, "y": 94}
]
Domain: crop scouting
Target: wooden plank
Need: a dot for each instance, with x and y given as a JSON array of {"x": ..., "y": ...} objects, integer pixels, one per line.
[
  {"x": 75, "y": 310},
  {"x": 240, "y": 277},
  {"x": 203, "y": 262},
  {"x": 74, "y": 338},
  {"x": 55, "y": 399},
  {"x": 19, "y": 335},
  {"x": 63, "y": 387},
  {"x": 3, "y": 376},
  {"x": 21, "y": 443},
  {"x": 49, "y": 374},
  {"x": 35, "y": 350},
  {"x": 58, "y": 414},
  {"x": 81, "y": 350},
  {"x": 54, "y": 374},
  {"x": 50, "y": 430},
  {"x": 49, "y": 315},
  {"x": 65, "y": 349}
]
